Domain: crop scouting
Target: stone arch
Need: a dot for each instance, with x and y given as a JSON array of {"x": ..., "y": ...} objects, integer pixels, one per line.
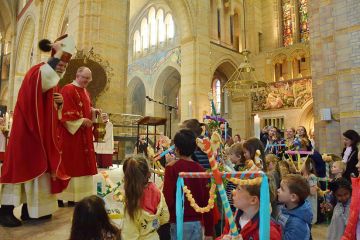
[
  {"x": 167, "y": 89},
  {"x": 298, "y": 53},
  {"x": 225, "y": 64},
  {"x": 224, "y": 70},
  {"x": 307, "y": 116},
  {"x": 279, "y": 58},
  {"x": 24, "y": 46},
  {"x": 55, "y": 16},
  {"x": 281, "y": 68},
  {"x": 300, "y": 59},
  {"x": 136, "y": 96}
]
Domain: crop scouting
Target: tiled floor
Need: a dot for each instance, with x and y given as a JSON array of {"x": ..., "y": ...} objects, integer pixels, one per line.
[{"x": 58, "y": 228}]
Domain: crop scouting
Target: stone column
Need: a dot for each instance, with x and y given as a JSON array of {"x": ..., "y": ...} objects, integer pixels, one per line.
[
  {"x": 195, "y": 66},
  {"x": 11, "y": 99},
  {"x": 335, "y": 49},
  {"x": 104, "y": 25}
]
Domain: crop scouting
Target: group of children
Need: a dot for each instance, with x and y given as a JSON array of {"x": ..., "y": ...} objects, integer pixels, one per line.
[{"x": 148, "y": 210}]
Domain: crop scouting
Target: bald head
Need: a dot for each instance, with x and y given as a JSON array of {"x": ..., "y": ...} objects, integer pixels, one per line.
[{"x": 83, "y": 76}]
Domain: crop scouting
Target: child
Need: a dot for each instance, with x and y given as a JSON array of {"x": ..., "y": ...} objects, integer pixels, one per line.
[
  {"x": 247, "y": 199},
  {"x": 272, "y": 165},
  {"x": 308, "y": 171},
  {"x": 185, "y": 145},
  {"x": 250, "y": 148},
  {"x": 90, "y": 221},
  {"x": 235, "y": 155},
  {"x": 341, "y": 188},
  {"x": 338, "y": 169},
  {"x": 145, "y": 207},
  {"x": 296, "y": 215}
]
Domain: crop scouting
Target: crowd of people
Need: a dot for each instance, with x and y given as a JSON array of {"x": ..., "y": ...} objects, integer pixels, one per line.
[
  {"x": 51, "y": 156},
  {"x": 299, "y": 197}
]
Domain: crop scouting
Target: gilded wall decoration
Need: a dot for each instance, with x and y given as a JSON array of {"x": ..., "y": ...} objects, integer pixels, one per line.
[
  {"x": 282, "y": 95},
  {"x": 101, "y": 70}
]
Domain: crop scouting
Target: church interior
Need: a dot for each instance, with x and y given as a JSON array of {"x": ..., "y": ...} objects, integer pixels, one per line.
[{"x": 255, "y": 63}]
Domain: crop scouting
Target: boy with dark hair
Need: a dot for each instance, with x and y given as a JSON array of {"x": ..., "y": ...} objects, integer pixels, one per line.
[
  {"x": 295, "y": 216},
  {"x": 185, "y": 144},
  {"x": 196, "y": 127}
]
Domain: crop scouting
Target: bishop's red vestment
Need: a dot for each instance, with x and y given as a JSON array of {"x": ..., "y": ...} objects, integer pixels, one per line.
[
  {"x": 33, "y": 147},
  {"x": 78, "y": 148}
]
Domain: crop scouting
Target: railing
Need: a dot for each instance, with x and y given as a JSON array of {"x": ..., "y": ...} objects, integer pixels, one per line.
[{"x": 125, "y": 125}]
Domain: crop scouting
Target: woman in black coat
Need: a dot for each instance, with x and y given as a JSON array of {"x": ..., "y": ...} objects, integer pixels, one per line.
[{"x": 350, "y": 152}]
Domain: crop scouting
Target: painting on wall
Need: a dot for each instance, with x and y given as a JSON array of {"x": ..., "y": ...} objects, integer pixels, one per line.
[{"x": 282, "y": 95}]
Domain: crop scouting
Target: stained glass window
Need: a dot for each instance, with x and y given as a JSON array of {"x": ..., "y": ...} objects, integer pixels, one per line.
[
  {"x": 288, "y": 37},
  {"x": 303, "y": 20}
]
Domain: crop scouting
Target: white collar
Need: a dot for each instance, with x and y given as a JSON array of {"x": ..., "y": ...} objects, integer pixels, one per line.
[{"x": 75, "y": 83}]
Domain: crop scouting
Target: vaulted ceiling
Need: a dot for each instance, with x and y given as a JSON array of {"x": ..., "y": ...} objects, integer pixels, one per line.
[{"x": 7, "y": 11}]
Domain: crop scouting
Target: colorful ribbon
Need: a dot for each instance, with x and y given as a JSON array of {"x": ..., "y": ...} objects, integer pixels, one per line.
[{"x": 179, "y": 208}]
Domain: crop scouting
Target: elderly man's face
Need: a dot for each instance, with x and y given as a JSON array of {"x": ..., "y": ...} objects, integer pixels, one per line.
[
  {"x": 61, "y": 68},
  {"x": 84, "y": 77}
]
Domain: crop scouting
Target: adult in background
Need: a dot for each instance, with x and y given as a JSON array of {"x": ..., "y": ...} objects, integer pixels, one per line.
[
  {"x": 32, "y": 171},
  {"x": 264, "y": 135},
  {"x": 78, "y": 148},
  {"x": 105, "y": 150},
  {"x": 301, "y": 133},
  {"x": 350, "y": 152}
]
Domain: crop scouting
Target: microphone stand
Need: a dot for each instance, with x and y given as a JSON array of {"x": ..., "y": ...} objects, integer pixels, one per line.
[{"x": 169, "y": 107}]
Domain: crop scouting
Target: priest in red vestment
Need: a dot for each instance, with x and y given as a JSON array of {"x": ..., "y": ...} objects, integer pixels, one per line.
[
  {"x": 33, "y": 166},
  {"x": 76, "y": 133}
]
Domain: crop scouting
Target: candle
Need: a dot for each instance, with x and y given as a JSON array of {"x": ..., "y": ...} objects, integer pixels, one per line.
[
  {"x": 7, "y": 121},
  {"x": 190, "y": 110},
  {"x": 257, "y": 126}
]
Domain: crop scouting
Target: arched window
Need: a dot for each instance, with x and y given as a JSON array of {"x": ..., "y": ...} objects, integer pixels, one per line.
[
  {"x": 290, "y": 16},
  {"x": 137, "y": 42},
  {"x": 161, "y": 25},
  {"x": 303, "y": 20},
  {"x": 169, "y": 26},
  {"x": 216, "y": 88},
  {"x": 287, "y": 15},
  {"x": 144, "y": 34},
  {"x": 153, "y": 27}
]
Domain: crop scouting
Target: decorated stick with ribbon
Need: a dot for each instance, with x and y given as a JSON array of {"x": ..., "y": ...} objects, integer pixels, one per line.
[
  {"x": 299, "y": 152},
  {"x": 210, "y": 148},
  {"x": 169, "y": 150}
]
